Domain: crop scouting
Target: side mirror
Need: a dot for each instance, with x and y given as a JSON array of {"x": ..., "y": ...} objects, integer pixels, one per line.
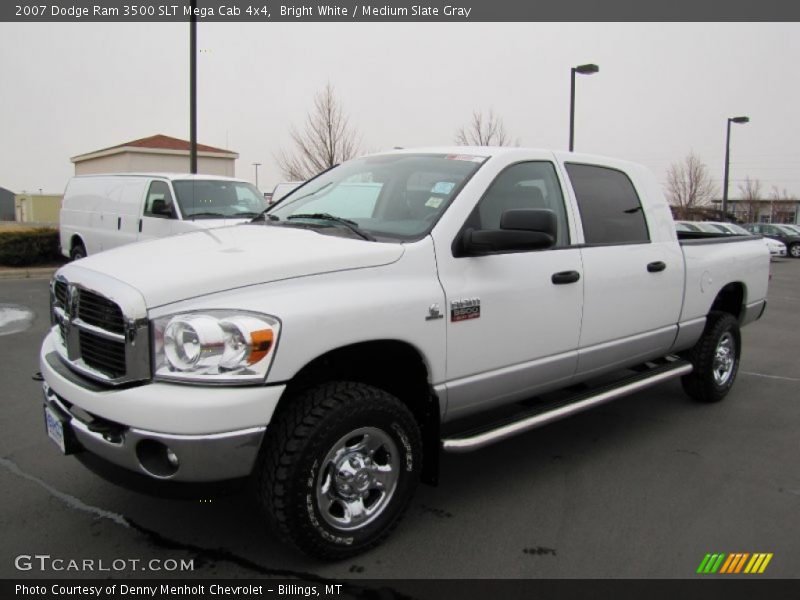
[
  {"x": 520, "y": 230},
  {"x": 161, "y": 208}
]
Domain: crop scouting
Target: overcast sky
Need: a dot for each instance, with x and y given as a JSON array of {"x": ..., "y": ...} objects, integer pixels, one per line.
[{"x": 662, "y": 90}]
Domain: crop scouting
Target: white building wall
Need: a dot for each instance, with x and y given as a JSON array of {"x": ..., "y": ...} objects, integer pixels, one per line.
[
  {"x": 151, "y": 162},
  {"x": 115, "y": 163}
]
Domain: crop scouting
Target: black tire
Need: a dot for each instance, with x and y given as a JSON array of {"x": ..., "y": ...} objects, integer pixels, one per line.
[
  {"x": 715, "y": 358},
  {"x": 794, "y": 250},
  {"x": 298, "y": 458},
  {"x": 78, "y": 251}
]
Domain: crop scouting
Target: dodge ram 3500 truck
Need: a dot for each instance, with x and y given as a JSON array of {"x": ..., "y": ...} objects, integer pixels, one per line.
[{"x": 393, "y": 307}]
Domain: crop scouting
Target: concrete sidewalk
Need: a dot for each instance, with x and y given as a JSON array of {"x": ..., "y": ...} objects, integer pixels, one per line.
[{"x": 27, "y": 272}]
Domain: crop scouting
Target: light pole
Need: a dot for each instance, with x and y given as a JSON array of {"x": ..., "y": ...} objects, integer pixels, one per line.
[
  {"x": 589, "y": 69},
  {"x": 193, "y": 89},
  {"x": 740, "y": 120},
  {"x": 256, "y": 165}
]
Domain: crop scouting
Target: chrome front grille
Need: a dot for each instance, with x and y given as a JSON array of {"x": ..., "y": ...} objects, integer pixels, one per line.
[
  {"x": 107, "y": 356},
  {"x": 100, "y": 312},
  {"x": 97, "y": 338}
]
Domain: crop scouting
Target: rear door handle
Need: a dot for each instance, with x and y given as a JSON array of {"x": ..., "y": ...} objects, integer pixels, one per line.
[
  {"x": 655, "y": 267},
  {"x": 140, "y": 226},
  {"x": 565, "y": 277},
  {"x": 119, "y": 222}
]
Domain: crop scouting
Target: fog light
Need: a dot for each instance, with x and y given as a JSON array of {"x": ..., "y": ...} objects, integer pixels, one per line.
[{"x": 156, "y": 459}]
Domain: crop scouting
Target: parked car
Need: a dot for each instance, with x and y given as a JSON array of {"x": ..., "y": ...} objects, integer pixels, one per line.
[
  {"x": 781, "y": 233},
  {"x": 332, "y": 348},
  {"x": 100, "y": 212},
  {"x": 776, "y": 248},
  {"x": 792, "y": 227}
]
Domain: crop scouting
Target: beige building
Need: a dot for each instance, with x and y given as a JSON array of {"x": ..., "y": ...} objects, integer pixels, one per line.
[
  {"x": 37, "y": 208},
  {"x": 157, "y": 153}
]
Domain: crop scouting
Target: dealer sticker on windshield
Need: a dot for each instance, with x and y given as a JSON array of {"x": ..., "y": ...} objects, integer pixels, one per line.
[{"x": 443, "y": 187}]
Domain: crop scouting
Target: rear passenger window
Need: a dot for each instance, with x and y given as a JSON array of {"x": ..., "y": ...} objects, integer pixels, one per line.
[{"x": 610, "y": 208}]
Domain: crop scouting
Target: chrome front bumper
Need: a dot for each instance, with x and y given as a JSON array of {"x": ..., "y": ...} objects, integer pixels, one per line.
[{"x": 199, "y": 458}]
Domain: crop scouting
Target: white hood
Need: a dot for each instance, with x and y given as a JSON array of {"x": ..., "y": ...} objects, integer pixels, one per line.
[{"x": 212, "y": 260}]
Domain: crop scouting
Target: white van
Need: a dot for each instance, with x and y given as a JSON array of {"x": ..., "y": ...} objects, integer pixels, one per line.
[{"x": 104, "y": 211}]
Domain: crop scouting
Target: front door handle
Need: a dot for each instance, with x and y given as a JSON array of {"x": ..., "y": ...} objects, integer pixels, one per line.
[
  {"x": 655, "y": 267},
  {"x": 140, "y": 226},
  {"x": 565, "y": 277}
]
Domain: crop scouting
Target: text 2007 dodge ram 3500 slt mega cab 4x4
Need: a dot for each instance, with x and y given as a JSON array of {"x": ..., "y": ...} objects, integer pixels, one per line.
[{"x": 394, "y": 306}]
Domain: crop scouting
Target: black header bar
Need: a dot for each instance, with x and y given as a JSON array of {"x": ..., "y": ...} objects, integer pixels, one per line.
[{"x": 398, "y": 10}]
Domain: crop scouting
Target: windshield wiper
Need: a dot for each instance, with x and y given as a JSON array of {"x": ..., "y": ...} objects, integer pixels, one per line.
[
  {"x": 351, "y": 225},
  {"x": 245, "y": 214},
  {"x": 207, "y": 214}
]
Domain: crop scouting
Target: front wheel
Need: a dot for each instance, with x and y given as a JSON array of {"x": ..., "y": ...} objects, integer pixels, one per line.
[
  {"x": 715, "y": 358},
  {"x": 794, "y": 250},
  {"x": 339, "y": 468}
]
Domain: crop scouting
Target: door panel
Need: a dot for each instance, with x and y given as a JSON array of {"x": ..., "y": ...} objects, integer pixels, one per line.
[{"x": 526, "y": 336}]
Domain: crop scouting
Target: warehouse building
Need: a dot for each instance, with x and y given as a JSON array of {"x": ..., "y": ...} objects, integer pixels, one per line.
[{"x": 157, "y": 153}]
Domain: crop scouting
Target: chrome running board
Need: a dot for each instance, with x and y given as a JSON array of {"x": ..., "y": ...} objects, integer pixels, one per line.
[{"x": 549, "y": 412}]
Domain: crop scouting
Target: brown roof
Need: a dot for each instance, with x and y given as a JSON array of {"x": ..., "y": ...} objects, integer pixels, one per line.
[{"x": 163, "y": 142}]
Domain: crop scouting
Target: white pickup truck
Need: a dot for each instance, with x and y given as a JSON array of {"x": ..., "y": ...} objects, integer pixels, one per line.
[{"x": 396, "y": 306}]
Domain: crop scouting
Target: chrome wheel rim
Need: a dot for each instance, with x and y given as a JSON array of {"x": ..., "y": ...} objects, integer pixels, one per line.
[
  {"x": 357, "y": 479},
  {"x": 795, "y": 251},
  {"x": 724, "y": 359}
]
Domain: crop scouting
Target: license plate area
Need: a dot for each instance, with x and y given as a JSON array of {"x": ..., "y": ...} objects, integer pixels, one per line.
[{"x": 59, "y": 430}]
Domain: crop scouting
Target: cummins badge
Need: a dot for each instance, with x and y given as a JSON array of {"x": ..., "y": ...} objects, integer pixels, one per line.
[{"x": 468, "y": 308}]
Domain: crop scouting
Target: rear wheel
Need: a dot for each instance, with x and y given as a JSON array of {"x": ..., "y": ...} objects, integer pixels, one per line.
[
  {"x": 339, "y": 468},
  {"x": 715, "y": 358}
]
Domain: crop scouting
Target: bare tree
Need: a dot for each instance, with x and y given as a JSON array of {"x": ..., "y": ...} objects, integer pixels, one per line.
[
  {"x": 689, "y": 185},
  {"x": 782, "y": 205},
  {"x": 484, "y": 130},
  {"x": 750, "y": 192},
  {"x": 327, "y": 139}
]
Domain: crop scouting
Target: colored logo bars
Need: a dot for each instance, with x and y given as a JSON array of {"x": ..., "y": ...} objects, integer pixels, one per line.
[{"x": 741, "y": 562}]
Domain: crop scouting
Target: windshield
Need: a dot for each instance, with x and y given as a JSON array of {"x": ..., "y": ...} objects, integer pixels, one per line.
[
  {"x": 212, "y": 199},
  {"x": 786, "y": 230},
  {"x": 397, "y": 196},
  {"x": 688, "y": 226},
  {"x": 737, "y": 229}
]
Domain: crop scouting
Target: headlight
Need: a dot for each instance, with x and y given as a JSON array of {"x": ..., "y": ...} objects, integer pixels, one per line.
[{"x": 214, "y": 346}]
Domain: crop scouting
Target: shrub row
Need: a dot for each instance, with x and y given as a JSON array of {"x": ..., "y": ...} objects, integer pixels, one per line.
[{"x": 26, "y": 248}]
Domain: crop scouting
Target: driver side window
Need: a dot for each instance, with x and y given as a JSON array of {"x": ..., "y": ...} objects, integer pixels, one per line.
[
  {"x": 523, "y": 185},
  {"x": 159, "y": 201}
]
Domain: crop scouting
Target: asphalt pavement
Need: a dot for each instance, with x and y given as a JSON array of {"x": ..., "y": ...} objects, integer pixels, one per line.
[{"x": 643, "y": 487}]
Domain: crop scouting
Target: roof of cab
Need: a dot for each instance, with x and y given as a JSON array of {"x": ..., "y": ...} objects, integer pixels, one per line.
[{"x": 167, "y": 176}]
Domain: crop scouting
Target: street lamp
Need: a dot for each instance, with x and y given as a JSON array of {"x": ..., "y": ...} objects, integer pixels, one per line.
[
  {"x": 589, "y": 69},
  {"x": 739, "y": 120},
  {"x": 256, "y": 165},
  {"x": 193, "y": 89}
]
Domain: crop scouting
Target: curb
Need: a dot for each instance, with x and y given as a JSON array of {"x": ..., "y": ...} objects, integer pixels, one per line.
[{"x": 31, "y": 273}]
